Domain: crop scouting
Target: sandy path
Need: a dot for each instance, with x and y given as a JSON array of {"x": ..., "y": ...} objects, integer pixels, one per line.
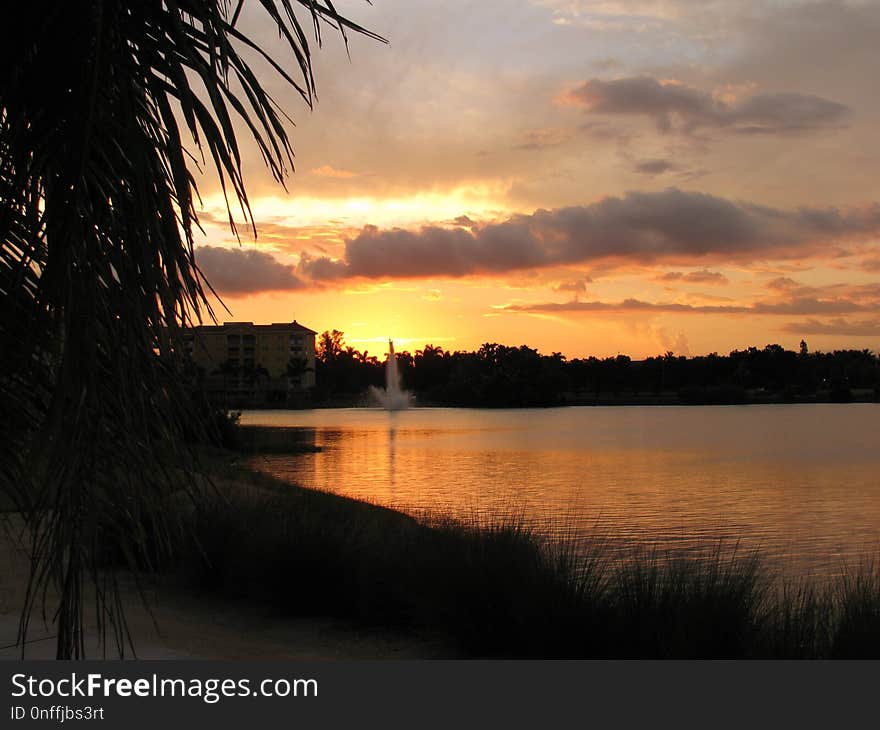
[{"x": 191, "y": 626}]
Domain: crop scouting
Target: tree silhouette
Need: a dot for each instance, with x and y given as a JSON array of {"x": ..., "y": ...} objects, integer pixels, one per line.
[
  {"x": 98, "y": 100},
  {"x": 330, "y": 346}
]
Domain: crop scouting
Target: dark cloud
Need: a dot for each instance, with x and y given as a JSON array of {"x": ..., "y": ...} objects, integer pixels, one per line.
[
  {"x": 703, "y": 276},
  {"x": 245, "y": 271},
  {"x": 671, "y": 225},
  {"x": 786, "y": 112},
  {"x": 322, "y": 268},
  {"x": 432, "y": 251},
  {"x": 664, "y": 102},
  {"x": 804, "y": 306},
  {"x": 578, "y": 286},
  {"x": 837, "y": 327},
  {"x": 807, "y": 305},
  {"x": 654, "y": 167}
]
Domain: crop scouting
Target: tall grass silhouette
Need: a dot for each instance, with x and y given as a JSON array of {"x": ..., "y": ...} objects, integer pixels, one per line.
[{"x": 500, "y": 588}]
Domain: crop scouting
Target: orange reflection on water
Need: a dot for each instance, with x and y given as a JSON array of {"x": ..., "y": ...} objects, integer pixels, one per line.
[{"x": 799, "y": 482}]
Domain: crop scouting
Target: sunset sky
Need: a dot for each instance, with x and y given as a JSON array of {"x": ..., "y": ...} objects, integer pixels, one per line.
[{"x": 583, "y": 176}]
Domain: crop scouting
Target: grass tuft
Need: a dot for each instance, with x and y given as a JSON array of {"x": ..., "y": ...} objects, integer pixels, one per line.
[{"x": 502, "y": 589}]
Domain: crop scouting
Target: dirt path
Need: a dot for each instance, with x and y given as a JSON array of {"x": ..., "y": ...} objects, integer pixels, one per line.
[{"x": 194, "y": 627}]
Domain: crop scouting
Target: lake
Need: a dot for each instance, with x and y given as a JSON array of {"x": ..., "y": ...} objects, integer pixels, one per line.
[{"x": 801, "y": 482}]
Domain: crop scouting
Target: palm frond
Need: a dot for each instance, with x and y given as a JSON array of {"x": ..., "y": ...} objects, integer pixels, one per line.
[{"x": 98, "y": 102}]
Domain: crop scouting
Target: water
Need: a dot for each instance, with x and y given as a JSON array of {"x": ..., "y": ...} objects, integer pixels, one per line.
[{"x": 799, "y": 481}]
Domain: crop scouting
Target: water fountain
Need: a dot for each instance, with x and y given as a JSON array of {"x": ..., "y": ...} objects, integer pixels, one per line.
[{"x": 393, "y": 397}]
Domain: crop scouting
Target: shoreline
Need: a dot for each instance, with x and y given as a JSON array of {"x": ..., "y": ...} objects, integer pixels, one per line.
[
  {"x": 180, "y": 621},
  {"x": 584, "y": 402},
  {"x": 298, "y": 573}
]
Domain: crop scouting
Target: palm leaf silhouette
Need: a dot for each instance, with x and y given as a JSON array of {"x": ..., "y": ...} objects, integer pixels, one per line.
[{"x": 98, "y": 101}]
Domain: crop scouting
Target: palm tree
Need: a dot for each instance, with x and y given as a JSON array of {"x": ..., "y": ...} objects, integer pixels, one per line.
[{"x": 97, "y": 271}]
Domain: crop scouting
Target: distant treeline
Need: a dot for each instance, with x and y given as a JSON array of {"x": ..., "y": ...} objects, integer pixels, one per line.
[{"x": 501, "y": 376}]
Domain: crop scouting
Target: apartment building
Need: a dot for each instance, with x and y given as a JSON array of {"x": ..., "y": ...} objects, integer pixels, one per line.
[{"x": 244, "y": 364}]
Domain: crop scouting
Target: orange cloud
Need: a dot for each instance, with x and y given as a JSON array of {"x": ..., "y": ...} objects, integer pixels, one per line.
[
  {"x": 703, "y": 276},
  {"x": 804, "y": 306},
  {"x": 328, "y": 171},
  {"x": 838, "y": 327},
  {"x": 332, "y": 172}
]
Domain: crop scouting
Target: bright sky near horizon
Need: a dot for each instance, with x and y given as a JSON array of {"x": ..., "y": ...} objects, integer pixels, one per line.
[{"x": 582, "y": 176}]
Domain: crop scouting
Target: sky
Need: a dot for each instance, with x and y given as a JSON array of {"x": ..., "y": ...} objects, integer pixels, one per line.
[{"x": 590, "y": 177}]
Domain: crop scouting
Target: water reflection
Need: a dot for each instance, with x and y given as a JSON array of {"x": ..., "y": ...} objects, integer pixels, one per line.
[
  {"x": 392, "y": 470},
  {"x": 798, "y": 481}
]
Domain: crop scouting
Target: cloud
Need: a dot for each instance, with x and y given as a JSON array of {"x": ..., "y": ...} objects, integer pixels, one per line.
[
  {"x": 670, "y": 226},
  {"x": 432, "y": 251},
  {"x": 693, "y": 109},
  {"x": 679, "y": 345},
  {"x": 804, "y": 306},
  {"x": 786, "y": 112},
  {"x": 868, "y": 294},
  {"x": 696, "y": 277},
  {"x": 838, "y": 327},
  {"x": 321, "y": 268},
  {"x": 245, "y": 271},
  {"x": 654, "y": 167},
  {"x": 783, "y": 283},
  {"x": 578, "y": 286},
  {"x": 332, "y": 172}
]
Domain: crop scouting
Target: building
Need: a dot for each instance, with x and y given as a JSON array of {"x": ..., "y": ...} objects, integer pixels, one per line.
[{"x": 242, "y": 364}]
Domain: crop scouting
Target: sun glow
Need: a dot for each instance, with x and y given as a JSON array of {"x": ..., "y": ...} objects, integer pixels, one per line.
[{"x": 481, "y": 201}]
